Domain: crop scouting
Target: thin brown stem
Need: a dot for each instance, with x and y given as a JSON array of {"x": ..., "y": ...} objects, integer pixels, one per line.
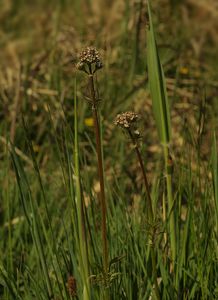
[
  {"x": 100, "y": 172},
  {"x": 150, "y": 209},
  {"x": 150, "y": 213}
]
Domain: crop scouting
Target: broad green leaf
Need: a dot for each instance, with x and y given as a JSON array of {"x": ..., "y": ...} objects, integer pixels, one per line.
[{"x": 157, "y": 85}]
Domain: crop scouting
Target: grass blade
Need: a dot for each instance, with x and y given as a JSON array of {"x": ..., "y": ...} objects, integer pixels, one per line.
[
  {"x": 157, "y": 86},
  {"x": 162, "y": 117}
]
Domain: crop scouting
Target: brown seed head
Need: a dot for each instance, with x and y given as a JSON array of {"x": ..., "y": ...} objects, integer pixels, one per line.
[
  {"x": 125, "y": 120},
  {"x": 80, "y": 66},
  {"x": 89, "y": 57},
  {"x": 71, "y": 284}
]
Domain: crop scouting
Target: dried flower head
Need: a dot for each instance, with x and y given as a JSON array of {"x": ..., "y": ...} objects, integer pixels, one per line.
[
  {"x": 71, "y": 284},
  {"x": 125, "y": 120},
  {"x": 80, "y": 66},
  {"x": 89, "y": 57}
]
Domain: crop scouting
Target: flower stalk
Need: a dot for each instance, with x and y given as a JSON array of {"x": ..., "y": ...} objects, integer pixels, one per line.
[
  {"x": 138, "y": 153},
  {"x": 127, "y": 121},
  {"x": 100, "y": 173},
  {"x": 90, "y": 63}
]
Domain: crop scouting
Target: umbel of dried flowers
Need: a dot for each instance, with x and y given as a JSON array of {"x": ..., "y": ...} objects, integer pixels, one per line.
[
  {"x": 89, "y": 60},
  {"x": 126, "y": 119}
]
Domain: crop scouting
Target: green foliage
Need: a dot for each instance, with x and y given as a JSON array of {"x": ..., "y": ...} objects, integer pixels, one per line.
[
  {"x": 50, "y": 216},
  {"x": 157, "y": 85}
]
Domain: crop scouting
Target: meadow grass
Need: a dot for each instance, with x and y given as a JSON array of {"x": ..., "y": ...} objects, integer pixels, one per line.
[{"x": 89, "y": 210}]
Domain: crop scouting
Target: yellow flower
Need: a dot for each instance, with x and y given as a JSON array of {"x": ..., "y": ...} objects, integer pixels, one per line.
[
  {"x": 89, "y": 122},
  {"x": 184, "y": 70}
]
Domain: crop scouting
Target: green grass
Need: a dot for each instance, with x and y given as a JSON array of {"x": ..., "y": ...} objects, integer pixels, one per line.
[{"x": 50, "y": 208}]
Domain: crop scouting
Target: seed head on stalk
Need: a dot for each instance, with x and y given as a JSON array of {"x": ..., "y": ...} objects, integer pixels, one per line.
[
  {"x": 127, "y": 121},
  {"x": 89, "y": 60}
]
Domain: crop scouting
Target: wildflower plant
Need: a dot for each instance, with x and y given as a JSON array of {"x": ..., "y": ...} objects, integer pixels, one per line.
[
  {"x": 90, "y": 62},
  {"x": 127, "y": 121}
]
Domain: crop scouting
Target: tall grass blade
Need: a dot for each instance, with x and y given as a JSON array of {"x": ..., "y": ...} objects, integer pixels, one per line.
[
  {"x": 30, "y": 210},
  {"x": 162, "y": 117},
  {"x": 80, "y": 214},
  {"x": 7, "y": 281},
  {"x": 215, "y": 177},
  {"x": 157, "y": 86}
]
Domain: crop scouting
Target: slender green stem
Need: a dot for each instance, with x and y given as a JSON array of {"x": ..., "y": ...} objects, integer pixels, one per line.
[
  {"x": 100, "y": 172},
  {"x": 80, "y": 213},
  {"x": 154, "y": 271},
  {"x": 170, "y": 204}
]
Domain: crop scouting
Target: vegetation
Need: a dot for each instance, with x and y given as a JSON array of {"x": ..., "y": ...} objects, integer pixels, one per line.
[{"x": 108, "y": 150}]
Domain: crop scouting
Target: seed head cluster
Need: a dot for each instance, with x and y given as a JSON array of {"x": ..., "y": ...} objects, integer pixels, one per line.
[
  {"x": 89, "y": 57},
  {"x": 126, "y": 119}
]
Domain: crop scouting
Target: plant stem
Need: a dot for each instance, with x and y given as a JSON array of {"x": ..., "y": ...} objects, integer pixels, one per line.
[
  {"x": 80, "y": 212},
  {"x": 170, "y": 204},
  {"x": 100, "y": 172},
  {"x": 154, "y": 271},
  {"x": 150, "y": 213},
  {"x": 150, "y": 209}
]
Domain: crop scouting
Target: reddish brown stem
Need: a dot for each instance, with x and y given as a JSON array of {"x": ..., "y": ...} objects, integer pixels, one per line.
[
  {"x": 100, "y": 172},
  {"x": 150, "y": 212},
  {"x": 150, "y": 209}
]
